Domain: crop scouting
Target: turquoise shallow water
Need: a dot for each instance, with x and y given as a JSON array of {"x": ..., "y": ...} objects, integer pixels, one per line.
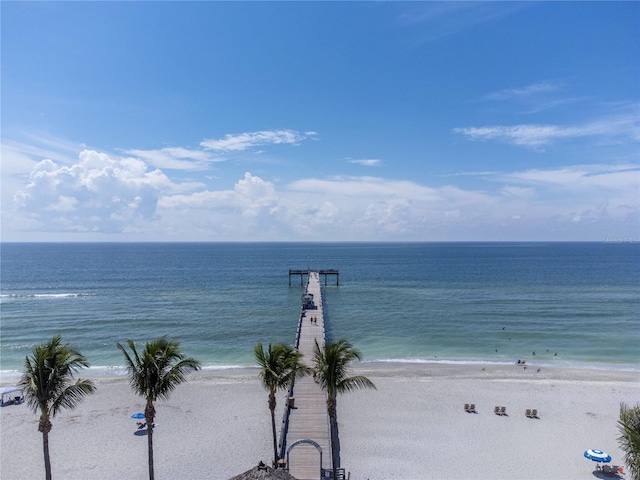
[{"x": 419, "y": 302}]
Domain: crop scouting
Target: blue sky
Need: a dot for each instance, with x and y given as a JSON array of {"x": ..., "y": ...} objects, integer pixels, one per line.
[{"x": 329, "y": 121}]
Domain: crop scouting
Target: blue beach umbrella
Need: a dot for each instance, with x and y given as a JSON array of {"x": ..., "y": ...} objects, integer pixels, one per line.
[
  {"x": 597, "y": 456},
  {"x": 137, "y": 415}
]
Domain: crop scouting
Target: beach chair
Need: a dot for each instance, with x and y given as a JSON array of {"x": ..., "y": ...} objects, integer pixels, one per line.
[
  {"x": 534, "y": 413},
  {"x": 466, "y": 407},
  {"x": 527, "y": 413},
  {"x": 472, "y": 408},
  {"x": 496, "y": 410},
  {"x": 503, "y": 410}
]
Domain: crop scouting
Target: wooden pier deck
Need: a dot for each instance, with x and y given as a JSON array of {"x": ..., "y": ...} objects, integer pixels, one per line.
[
  {"x": 322, "y": 273},
  {"x": 308, "y": 429}
]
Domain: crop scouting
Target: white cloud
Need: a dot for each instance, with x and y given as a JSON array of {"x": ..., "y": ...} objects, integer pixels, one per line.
[
  {"x": 64, "y": 204},
  {"x": 517, "y": 192},
  {"x": 98, "y": 193},
  {"x": 247, "y": 212},
  {"x": 441, "y": 19},
  {"x": 176, "y": 158},
  {"x": 106, "y": 197},
  {"x": 374, "y": 208},
  {"x": 580, "y": 177},
  {"x": 62, "y": 151},
  {"x": 527, "y": 135},
  {"x": 248, "y": 193},
  {"x": 527, "y": 91},
  {"x": 621, "y": 128},
  {"x": 243, "y": 141},
  {"x": 366, "y": 162}
]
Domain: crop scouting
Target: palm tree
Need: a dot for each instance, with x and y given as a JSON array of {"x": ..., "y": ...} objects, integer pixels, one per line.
[
  {"x": 154, "y": 374},
  {"x": 47, "y": 385},
  {"x": 330, "y": 371},
  {"x": 280, "y": 366},
  {"x": 629, "y": 439}
]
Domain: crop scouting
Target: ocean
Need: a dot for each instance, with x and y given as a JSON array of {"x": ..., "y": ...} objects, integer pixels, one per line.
[{"x": 573, "y": 304}]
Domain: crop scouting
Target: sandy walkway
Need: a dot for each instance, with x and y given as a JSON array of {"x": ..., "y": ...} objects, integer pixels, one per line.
[{"x": 412, "y": 427}]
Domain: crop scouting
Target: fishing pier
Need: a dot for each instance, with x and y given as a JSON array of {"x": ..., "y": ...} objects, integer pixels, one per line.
[
  {"x": 306, "y": 273},
  {"x": 305, "y": 438}
]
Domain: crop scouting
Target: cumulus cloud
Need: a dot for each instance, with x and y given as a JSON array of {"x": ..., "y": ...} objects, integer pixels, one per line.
[
  {"x": 248, "y": 212},
  {"x": 98, "y": 193},
  {"x": 371, "y": 208},
  {"x": 249, "y": 192},
  {"x": 243, "y": 141},
  {"x": 116, "y": 197},
  {"x": 622, "y": 128}
]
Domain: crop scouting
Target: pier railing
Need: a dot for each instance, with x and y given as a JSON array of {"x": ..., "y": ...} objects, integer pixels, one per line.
[
  {"x": 285, "y": 416},
  {"x": 306, "y": 272},
  {"x": 307, "y": 421}
]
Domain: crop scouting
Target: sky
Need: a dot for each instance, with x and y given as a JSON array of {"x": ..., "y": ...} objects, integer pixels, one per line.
[{"x": 320, "y": 121}]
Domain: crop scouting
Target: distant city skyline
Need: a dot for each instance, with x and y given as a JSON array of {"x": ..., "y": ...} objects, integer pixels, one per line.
[{"x": 320, "y": 121}]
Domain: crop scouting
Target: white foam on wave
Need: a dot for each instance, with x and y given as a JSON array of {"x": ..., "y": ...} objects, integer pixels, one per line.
[
  {"x": 21, "y": 296},
  {"x": 121, "y": 370},
  {"x": 436, "y": 361},
  {"x": 104, "y": 370},
  {"x": 529, "y": 363},
  {"x": 10, "y": 375},
  {"x": 227, "y": 367}
]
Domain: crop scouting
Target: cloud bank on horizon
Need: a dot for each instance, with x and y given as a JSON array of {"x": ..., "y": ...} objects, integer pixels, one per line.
[{"x": 237, "y": 130}]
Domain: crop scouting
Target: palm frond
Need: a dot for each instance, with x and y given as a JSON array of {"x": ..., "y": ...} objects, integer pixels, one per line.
[
  {"x": 48, "y": 373},
  {"x": 629, "y": 439},
  {"x": 279, "y": 365},
  {"x": 331, "y": 372},
  {"x": 157, "y": 370},
  {"x": 332, "y": 368},
  {"x": 357, "y": 382},
  {"x": 72, "y": 395}
]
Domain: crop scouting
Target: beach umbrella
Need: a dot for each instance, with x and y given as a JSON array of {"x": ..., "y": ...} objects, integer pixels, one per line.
[
  {"x": 597, "y": 456},
  {"x": 138, "y": 415}
]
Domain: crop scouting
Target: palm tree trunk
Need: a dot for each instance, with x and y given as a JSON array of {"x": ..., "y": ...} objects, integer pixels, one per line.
[
  {"x": 272, "y": 408},
  {"x": 45, "y": 427},
  {"x": 47, "y": 460},
  {"x": 331, "y": 410},
  {"x": 150, "y": 445},
  {"x": 149, "y": 413}
]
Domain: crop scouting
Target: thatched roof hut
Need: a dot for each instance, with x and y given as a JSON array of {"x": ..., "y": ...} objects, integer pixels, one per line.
[{"x": 264, "y": 472}]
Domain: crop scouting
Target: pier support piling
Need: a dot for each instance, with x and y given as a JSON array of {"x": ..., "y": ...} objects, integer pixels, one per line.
[{"x": 325, "y": 273}]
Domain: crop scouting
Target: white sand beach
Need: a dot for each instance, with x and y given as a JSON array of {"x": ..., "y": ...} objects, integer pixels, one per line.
[{"x": 412, "y": 427}]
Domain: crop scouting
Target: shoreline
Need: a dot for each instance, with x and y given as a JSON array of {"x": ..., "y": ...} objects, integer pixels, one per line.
[
  {"x": 428, "y": 368},
  {"x": 7, "y": 376},
  {"x": 412, "y": 427}
]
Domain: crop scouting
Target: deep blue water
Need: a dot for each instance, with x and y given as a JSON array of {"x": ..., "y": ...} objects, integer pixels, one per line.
[{"x": 453, "y": 302}]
